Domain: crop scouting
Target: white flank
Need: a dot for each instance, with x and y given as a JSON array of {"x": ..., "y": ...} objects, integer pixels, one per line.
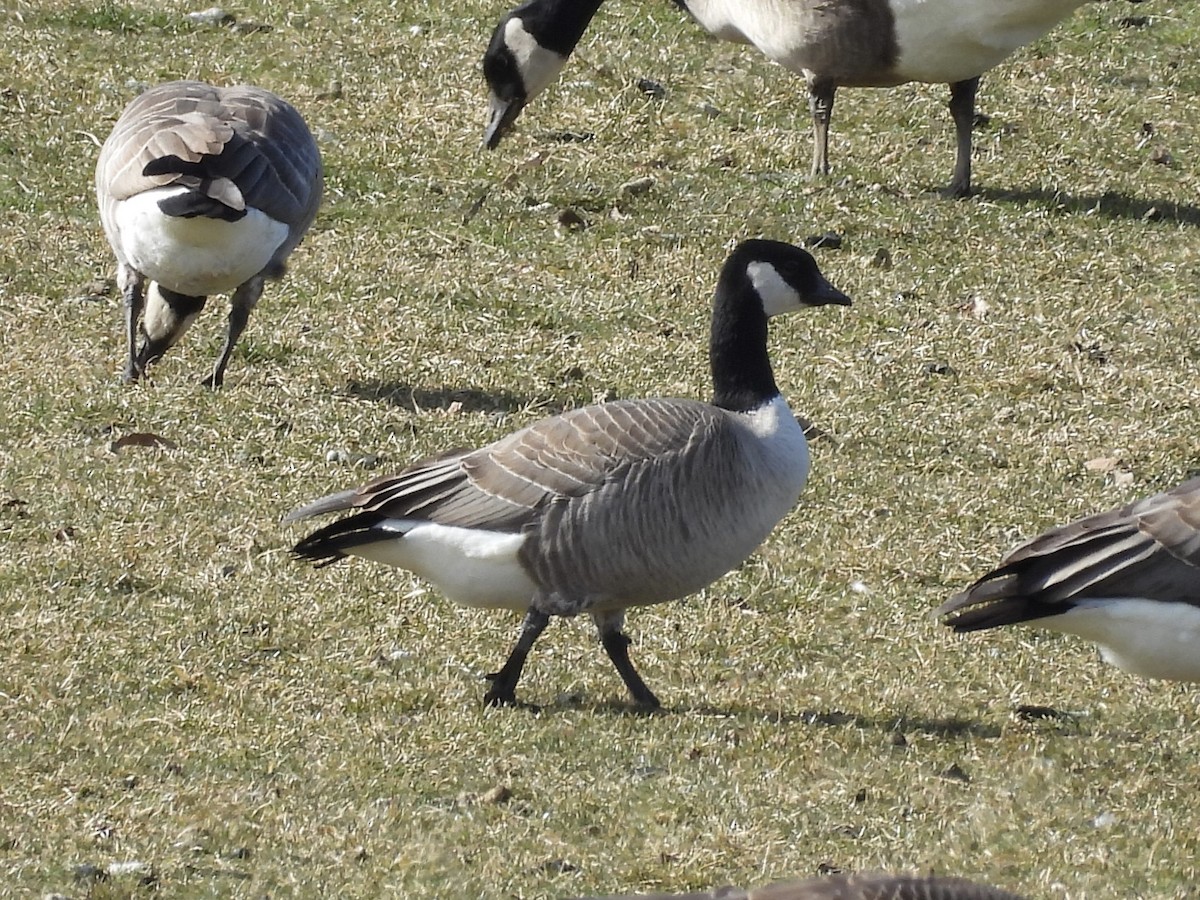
[
  {"x": 471, "y": 566},
  {"x": 1152, "y": 638},
  {"x": 537, "y": 65},
  {"x": 942, "y": 41},
  {"x": 197, "y": 256}
]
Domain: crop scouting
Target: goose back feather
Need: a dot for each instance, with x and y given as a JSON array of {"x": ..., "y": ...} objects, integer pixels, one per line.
[{"x": 1128, "y": 579}]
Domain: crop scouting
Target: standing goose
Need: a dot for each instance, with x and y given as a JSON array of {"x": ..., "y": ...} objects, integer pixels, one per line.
[
  {"x": 202, "y": 190},
  {"x": 609, "y": 506},
  {"x": 1128, "y": 579},
  {"x": 832, "y": 43},
  {"x": 849, "y": 887}
]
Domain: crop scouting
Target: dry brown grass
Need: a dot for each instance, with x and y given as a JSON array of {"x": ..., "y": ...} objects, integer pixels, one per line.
[{"x": 175, "y": 691}]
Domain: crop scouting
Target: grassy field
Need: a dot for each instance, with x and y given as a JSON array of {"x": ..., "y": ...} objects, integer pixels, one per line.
[{"x": 179, "y": 697}]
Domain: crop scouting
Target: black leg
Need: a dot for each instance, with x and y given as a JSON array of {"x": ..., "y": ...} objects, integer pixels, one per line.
[
  {"x": 821, "y": 92},
  {"x": 245, "y": 298},
  {"x": 962, "y": 110},
  {"x": 616, "y": 645},
  {"x": 503, "y": 691},
  {"x": 132, "y": 293}
]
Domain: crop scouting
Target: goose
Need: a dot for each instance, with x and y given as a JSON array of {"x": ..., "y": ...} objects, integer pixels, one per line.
[
  {"x": 202, "y": 190},
  {"x": 1127, "y": 579},
  {"x": 604, "y": 507},
  {"x": 848, "y": 887},
  {"x": 832, "y": 43}
]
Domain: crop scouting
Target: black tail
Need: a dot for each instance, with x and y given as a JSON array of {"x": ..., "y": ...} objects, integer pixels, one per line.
[
  {"x": 210, "y": 194},
  {"x": 1011, "y": 611},
  {"x": 327, "y": 545},
  {"x": 195, "y": 203}
]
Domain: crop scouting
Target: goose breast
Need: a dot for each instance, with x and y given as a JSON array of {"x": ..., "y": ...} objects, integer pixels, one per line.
[{"x": 701, "y": 491}]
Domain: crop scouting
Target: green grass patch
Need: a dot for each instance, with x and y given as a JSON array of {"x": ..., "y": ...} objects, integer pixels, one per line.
[{"x": 175, "y": 692}]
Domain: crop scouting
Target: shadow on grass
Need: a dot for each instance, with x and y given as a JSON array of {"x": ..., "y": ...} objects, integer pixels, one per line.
[
  {"x": 885, "y": 724},
  {"x": 1110, "y": 204},
  {"x": 470, "y": 400}
]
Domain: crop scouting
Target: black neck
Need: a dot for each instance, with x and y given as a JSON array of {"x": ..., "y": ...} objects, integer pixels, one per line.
[
  {"x": 737, "y": 349},
  {"x": 557, "y": 24}
]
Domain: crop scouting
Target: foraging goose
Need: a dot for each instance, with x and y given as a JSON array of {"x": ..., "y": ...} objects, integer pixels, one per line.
[
  {"x": 202, "y": 190},
  {"x": 832, "y": 43},
  {"x": 604, "y": 507},
  {"x": 849, "y": 887},
  {"x": 1128, "y": 579}
]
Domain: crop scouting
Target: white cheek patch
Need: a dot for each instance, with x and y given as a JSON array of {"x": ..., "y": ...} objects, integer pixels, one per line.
[
  {"x": 537, "y": 65},
  {"x": 160, "y": 322},
  {"x": 777, "y": 295}
]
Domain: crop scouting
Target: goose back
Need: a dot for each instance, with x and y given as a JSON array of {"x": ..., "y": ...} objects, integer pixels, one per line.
[
  {"x": 1128, "y": 579},
  {"x": 248, "y": 145},
  {"x": 1149, "y": 549}
]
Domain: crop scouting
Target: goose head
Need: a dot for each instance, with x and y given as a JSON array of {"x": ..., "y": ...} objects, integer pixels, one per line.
[
  {"x": 761, "y": 279},
  {"x": 167, "y": 318},
  {"x": 528, "y": 50}
]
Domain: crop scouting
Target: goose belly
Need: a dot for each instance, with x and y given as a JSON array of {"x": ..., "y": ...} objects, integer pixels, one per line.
[
  {"x": 1151, "y": 638},
  {"x": 942, "y": 41},
  {"x": 194, "y": 256},
  {"x": 677, "y": 554},
  {"x": 472, "y": 567},
  {"x": 879, "y": 43}
]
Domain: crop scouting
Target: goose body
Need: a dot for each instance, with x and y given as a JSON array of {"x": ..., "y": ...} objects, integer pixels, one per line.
[
  {"x": 609, "y": 506},
  {"x": 849, "y": 887},
  {"x": 1127, "y": 579},
  {"x": 202, "y": 190},
  {"x": 832, "y": 43}
]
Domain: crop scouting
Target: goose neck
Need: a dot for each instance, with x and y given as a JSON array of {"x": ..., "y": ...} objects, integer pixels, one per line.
[
  {"x": 557, "y": 25},
  {"x": 741, "y": 368}
]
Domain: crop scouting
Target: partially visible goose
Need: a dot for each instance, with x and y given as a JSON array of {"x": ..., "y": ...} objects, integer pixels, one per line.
[
  {"x": 610, "y": 506},
  {"x": 832, "y": 43},
  {"x": 202, "y": 190},
  {"x": 1128, "y": 579},
  {"x": 849, "y": 887}
]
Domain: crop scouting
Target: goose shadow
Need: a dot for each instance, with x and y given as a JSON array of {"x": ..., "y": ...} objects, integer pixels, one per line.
[
  {"x": 1110, "y": 204},
  {"x": 461, "y": 399},
  {"x": 884, "y": 724}
]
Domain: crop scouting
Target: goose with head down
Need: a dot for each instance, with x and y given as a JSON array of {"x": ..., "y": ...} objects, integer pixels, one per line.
[
  {"x": 202, "y": 190},
  {"x": 610, "y": 506},
  {"x": 832, "y": 43}
]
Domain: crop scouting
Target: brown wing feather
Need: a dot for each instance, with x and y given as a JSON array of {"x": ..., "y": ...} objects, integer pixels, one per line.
[
  {"x": 505, "y": 485},
  {"x": 1149, "y": 549},
  {"x": 244, "y": 134}
]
